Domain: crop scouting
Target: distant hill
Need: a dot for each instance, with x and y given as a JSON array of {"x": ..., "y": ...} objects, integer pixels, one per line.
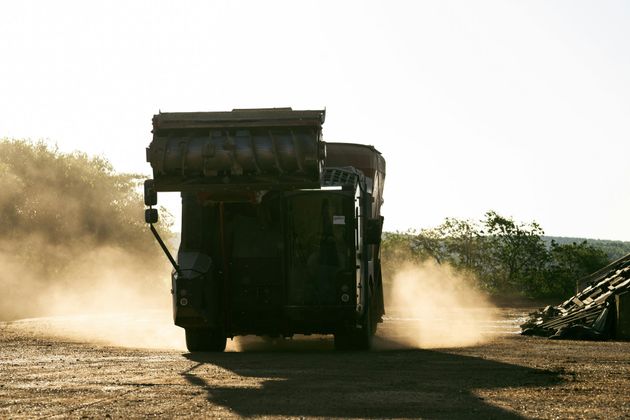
[{"x": 614, "y": 249}]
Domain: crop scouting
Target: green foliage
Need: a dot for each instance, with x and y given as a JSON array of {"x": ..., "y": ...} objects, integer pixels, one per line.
[
  {"x": 456, "y": 241},
  {"x": 570, "y": 263},
  {"x": 505, "y": 256},
  {"x": 517, "y": 253},
  {"x": 54, "y": 206},
  {"x": 396, "y": 249},
  {"x": 613, "y": 249}
]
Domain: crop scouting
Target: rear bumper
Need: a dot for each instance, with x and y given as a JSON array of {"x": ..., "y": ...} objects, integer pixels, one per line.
[
  {"x": 320, "y": 313},
  {"x": 303, "y": 319},
  {"x": 291, "y": 319}
]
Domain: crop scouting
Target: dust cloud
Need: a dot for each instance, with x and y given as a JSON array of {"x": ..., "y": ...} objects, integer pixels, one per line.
[
  {"x": 77, "y": 261},
  {"x": 106, "y": 296},
  {"x": 433, "y": 306},
  {"x": 75, "y": 252}
]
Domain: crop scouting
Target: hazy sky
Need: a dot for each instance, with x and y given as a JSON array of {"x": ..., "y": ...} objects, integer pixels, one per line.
[{"x": 522, "y": 107}]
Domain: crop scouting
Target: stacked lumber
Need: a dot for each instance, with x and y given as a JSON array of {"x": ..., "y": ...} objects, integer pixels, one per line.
[{"x": 592, "y": 314}]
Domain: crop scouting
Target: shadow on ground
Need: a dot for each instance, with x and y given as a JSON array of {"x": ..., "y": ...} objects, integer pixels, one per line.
[{"x": 323, "y": 383}]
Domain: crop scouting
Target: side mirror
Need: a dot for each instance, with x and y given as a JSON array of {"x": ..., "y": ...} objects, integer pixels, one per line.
[
  {"x": 150, "y": 194},
  {"x": 373, "y": 230},
  {"x": 151, "y": 216}
]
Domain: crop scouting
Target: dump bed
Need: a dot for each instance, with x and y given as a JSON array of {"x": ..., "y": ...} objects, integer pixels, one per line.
[
  {"x": 240, "y": 150},
  {"x": 366, "y": 159}
]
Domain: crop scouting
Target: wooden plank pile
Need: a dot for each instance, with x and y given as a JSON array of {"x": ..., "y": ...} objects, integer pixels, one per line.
[{"x": 592, "y": 314}]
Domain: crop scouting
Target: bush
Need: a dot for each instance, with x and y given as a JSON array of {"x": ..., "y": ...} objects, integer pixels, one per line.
[{"x": 507, "y": 258}]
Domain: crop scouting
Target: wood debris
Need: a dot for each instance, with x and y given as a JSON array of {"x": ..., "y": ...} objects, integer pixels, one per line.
[{"x": 597, "y": 312}]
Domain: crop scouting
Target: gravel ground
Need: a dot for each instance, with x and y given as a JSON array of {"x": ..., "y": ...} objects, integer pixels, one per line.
[{"x": 42, "y": 376}]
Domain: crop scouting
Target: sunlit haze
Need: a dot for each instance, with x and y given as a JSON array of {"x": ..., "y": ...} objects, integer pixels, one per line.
[{"x": 522, "y": 107}]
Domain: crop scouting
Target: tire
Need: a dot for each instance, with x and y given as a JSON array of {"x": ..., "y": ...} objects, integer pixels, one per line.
[
  {"x": 364, "y": 335},
  {"x": 203, "y": 339},
  {"x": 356, "y": 338}
]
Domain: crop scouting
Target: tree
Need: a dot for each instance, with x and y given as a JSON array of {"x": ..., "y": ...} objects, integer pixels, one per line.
[
  {"x": 569, "y": 263},
  {"x": 505, "y": 256},
  {"x": 396, "y": 249},
  {"x": 517, "y": 252},
  {"x": 67, "y": 198},
  {"x": 458, "y": 242}
]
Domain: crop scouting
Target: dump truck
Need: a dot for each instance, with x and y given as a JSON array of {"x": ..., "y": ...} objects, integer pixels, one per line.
[{"x": 280, "y": 231}]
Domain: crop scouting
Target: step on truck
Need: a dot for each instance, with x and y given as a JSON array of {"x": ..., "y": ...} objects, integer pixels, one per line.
[{"x": 280, "y": 230}]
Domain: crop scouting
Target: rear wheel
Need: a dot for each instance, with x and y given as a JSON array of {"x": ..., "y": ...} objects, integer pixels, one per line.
[
  {"x": 204, "y": 339},
  {"x": 356, "y": 338}
]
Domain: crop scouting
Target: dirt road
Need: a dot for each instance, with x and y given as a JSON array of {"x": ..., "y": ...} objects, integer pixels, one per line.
[{"x": 509, "y": 377}]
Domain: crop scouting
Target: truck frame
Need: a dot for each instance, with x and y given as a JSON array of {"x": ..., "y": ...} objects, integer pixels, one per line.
[{"x": 280, "y": 231}]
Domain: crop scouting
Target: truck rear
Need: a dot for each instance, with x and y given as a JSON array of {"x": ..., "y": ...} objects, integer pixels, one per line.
[{"x": 280, "y": 231}]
